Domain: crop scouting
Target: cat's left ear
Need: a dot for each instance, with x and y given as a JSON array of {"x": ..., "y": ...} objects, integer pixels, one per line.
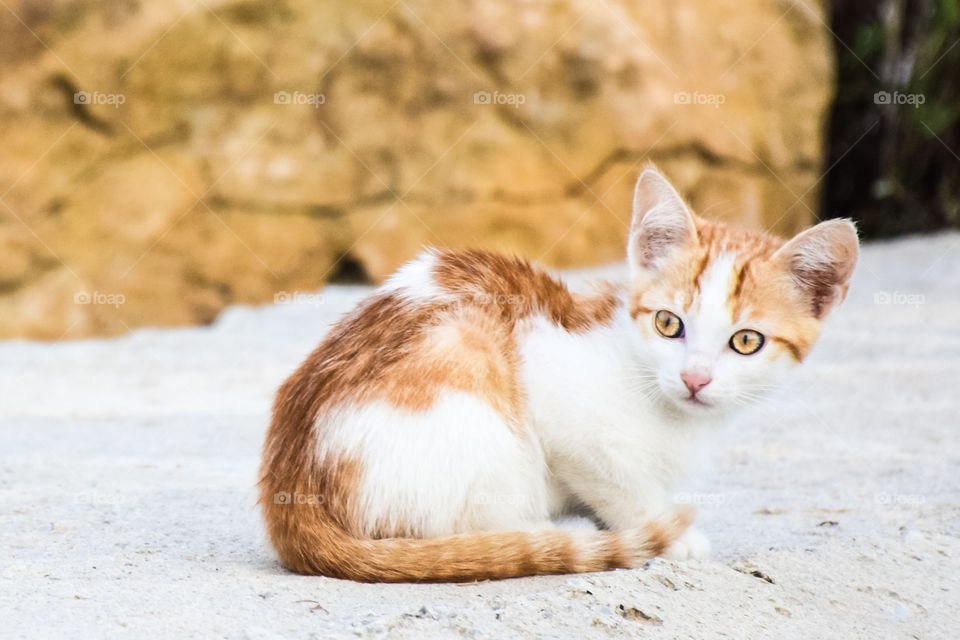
[
  {"x": 661, "y": 222},
  {"x": 820, "y": 261}
]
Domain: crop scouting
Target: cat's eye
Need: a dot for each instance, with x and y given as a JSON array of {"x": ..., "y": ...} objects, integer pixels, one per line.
[
  {"x": 746, "y": 341},
  {"x": 668, "y": 324}
]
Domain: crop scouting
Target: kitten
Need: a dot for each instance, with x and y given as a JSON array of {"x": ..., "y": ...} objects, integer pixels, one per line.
[{"x": 442, "y": 426}]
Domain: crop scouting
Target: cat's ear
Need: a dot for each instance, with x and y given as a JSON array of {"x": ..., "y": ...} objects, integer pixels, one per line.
[
  {"x": 820, "y": 261},
  {"x": 661, "y": 222}
]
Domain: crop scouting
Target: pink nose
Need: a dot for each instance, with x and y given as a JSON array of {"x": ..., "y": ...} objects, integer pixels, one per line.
[{"x": 695, "y": 380}]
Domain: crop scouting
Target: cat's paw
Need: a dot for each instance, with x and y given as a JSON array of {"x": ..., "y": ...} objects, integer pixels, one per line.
[{"x": 691, "y": 545}]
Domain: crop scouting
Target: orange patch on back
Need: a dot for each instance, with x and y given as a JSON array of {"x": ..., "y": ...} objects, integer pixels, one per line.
[
  {"x": 466, "y": 350},
  {"x": 513, "y": 289}
]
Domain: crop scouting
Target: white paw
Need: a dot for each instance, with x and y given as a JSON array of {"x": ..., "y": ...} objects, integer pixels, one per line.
[{"x": 692, "y": 545}]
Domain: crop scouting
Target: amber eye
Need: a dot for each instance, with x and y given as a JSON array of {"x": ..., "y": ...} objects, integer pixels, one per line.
[
  {"x": 668, "y": 324},
  {"x": 746, "y": 341}
]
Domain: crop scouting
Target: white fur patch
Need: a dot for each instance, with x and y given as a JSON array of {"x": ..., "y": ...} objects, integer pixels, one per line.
[
  {"x": 715, "y": 284},
  {"x": 454, "y": 468},
  {"x": 414, "y": 280},
  {"x": 710, "y": 326}
]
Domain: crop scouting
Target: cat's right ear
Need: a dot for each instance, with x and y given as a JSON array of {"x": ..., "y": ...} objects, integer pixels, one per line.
[{"x": 661, "y": 222}]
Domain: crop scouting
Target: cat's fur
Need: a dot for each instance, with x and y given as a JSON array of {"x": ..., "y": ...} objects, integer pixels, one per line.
[{"x": 443, "y": 425}]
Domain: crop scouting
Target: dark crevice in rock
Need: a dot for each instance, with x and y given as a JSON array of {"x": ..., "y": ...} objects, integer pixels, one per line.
[
  {"x": 489, "y": 59},
  {"x": 349, "y": 270},
  {"x": 79, "y": 109}
]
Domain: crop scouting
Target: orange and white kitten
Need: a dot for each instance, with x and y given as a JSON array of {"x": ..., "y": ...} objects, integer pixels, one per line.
[{"x": 444, "y": 425}]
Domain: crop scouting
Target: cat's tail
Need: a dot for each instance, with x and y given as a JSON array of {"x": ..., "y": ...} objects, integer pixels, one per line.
[{"x": 316, "y": 546}]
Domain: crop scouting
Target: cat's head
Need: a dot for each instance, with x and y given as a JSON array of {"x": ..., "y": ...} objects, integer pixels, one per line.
[{"x": 726, "y": 311}]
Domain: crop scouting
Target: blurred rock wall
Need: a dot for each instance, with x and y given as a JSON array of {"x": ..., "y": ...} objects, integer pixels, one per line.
[{"x": 162, "y": 160}]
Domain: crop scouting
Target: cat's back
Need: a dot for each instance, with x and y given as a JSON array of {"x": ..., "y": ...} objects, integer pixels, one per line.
[
  {"x": 437, "y": 325},
  {"x": 446, "y": 321}
]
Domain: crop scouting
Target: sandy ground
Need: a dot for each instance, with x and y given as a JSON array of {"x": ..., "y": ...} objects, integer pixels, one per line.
[{"x": 127, "y": 505}]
